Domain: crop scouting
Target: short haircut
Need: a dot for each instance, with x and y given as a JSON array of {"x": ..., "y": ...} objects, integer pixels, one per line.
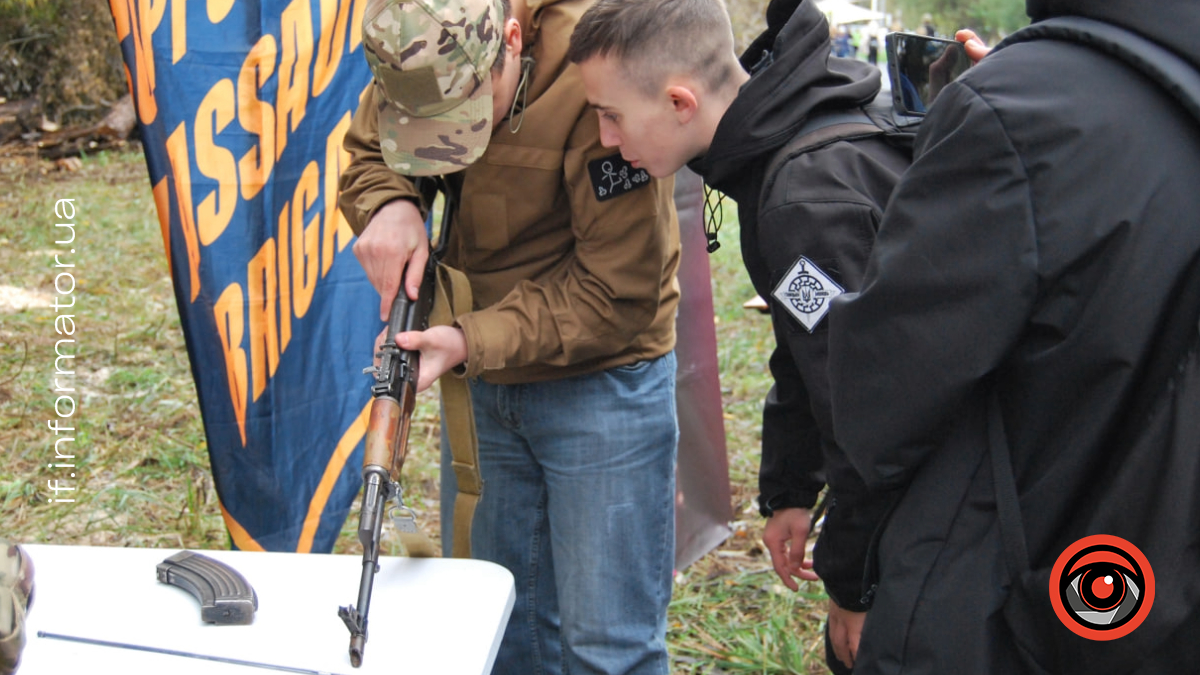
[{"x": 653, "y": 39}]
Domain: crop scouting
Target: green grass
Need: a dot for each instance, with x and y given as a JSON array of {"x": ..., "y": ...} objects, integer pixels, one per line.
[
  {"x": 729, "y": 612},
  {"x": 138, "y": 440},
  {"x": 143, "y": 470}
]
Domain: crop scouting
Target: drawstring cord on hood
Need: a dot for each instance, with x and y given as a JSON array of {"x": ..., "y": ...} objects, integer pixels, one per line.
[
  {"x": 516, "y": 115},
  {"x": 714, "y": 215}
]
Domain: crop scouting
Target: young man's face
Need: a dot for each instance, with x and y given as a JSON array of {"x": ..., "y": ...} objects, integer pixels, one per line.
[{"x": 646, "y": 130}]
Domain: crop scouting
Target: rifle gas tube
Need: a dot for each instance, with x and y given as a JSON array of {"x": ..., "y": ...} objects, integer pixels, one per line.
[
  {"x": 394, "y": 392},
  {"x": 225, "y": 596}
]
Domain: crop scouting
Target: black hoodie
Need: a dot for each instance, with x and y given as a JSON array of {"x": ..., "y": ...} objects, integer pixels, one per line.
[
  {"x": 823, "y": 205},
  {"x": 797, "y": 79},
  {"x": 1031, "y": 267}
]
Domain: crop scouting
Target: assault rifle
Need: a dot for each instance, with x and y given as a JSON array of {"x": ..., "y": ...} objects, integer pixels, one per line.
[{"x": 394, "y": 391}]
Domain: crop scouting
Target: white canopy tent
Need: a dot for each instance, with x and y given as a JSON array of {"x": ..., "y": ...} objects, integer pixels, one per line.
[{"x": 840, "y": 12}]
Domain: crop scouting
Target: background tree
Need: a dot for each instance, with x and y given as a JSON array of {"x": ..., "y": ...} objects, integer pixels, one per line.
[
  {"x": 991, "y": 19},
  {"x": 62, "y": 54}
]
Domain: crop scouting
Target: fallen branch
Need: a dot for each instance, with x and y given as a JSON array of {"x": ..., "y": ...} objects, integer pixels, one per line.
[{"x": 21, "y": 122}]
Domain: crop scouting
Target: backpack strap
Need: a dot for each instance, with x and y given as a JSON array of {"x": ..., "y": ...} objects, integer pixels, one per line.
[
  {"x": 827, "y": 128},
  {"x": 817, "y": 132},
  {"x": 877, "y": 117},
  {"x": 1172, "y": 73}
]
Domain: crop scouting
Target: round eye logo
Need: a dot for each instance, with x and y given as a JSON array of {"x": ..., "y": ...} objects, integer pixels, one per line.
[{"x": 1102, "y": 587}]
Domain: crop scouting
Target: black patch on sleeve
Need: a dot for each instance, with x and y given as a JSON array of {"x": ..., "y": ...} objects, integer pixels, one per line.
[{"x": 613, "y": 177}]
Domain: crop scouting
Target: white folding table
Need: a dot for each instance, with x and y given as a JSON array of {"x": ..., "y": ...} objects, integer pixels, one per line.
[{"x": 433, "y": 615}]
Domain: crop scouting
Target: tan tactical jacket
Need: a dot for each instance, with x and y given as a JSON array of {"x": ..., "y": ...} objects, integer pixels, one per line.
[{"x": 570, "y": 252}]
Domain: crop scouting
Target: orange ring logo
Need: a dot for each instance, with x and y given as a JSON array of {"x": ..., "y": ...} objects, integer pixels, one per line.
[{"x": 1102, "y": 587}]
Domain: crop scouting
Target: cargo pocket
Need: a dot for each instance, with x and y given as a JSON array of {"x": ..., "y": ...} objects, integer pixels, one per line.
[
  {"x": 489, "y": 214},
  {"x": 498, "y": 219}
]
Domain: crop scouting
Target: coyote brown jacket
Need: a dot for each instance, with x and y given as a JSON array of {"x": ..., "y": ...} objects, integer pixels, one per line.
[{"x": 566, "y": 277}]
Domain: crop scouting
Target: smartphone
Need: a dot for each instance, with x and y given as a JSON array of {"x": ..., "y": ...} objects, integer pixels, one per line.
[{"x": 919, "y": 67}]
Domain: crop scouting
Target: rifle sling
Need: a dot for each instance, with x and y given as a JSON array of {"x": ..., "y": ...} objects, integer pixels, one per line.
[
  {"x": 453, "y": 298},
  {"x": 417, "y": 544}
]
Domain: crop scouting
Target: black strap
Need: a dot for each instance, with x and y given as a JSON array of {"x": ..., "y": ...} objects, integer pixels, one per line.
[
  {"x": 832, "y": 131},
  {"x": 817, "y": 132},
  {"x": 824, "y": 128}
]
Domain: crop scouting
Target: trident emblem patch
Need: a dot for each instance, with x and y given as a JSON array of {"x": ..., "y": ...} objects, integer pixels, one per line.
[{"x": 805, "y": 292}]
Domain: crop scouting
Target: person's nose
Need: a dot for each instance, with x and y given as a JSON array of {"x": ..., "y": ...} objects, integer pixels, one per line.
[{"x": 609, "y": 136}]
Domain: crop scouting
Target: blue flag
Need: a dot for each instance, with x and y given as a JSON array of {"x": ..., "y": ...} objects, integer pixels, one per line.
[{"x": 242, "y": 107}]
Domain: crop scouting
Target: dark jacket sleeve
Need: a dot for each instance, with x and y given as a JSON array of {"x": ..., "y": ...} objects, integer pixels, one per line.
[
  {"x": 791, "y": 473},
  {"x": 797, "y": 426},
  {"x": 952, "y": 278},
  {"x": 825, "y": 206},
  {"x": 853, "y": 520}
]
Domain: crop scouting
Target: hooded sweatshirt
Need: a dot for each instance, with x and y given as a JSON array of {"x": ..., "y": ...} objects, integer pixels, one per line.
[
  {"x": 797, "y": 79},
  {"x": 824, "y": 206}
]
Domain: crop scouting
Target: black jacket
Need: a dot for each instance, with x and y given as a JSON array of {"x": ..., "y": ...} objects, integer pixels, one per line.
[
  {"x": 1035, "y": 250},
  {"x": 824, "y": 205}
]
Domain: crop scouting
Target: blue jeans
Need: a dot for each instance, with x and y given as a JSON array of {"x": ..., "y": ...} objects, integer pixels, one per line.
[{"x": 578, "y": 503}]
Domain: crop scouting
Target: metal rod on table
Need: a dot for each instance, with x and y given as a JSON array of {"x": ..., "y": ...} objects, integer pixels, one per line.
[{"x": 172, "y": 652}]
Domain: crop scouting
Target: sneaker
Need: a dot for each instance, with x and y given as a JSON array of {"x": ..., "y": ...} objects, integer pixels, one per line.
[{"x": 16, "y": 595}]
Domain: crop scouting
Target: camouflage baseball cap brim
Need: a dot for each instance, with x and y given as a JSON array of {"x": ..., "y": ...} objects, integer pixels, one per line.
[
  {"x": 440, "y": 144},
  {"x": 432, "y": 63}
]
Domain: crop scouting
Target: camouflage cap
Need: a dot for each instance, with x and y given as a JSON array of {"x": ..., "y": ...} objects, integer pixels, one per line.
[
  {"x": 16, "y": 596},
  {"x": 432, "y": 60}
]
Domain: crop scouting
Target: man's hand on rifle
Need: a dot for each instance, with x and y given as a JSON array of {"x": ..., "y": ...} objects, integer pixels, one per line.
[
  {"x": 394, "y": 236},
  {"x": 442, "y": 348}
]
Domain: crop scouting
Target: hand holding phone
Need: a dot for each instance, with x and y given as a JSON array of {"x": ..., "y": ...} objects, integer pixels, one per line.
[{"x": 976, "y": 48}]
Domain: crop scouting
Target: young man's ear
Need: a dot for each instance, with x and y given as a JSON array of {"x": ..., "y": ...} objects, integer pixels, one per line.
[
  {"x": 683, "y": 102},
  {"x": 512, "y": 36}
]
